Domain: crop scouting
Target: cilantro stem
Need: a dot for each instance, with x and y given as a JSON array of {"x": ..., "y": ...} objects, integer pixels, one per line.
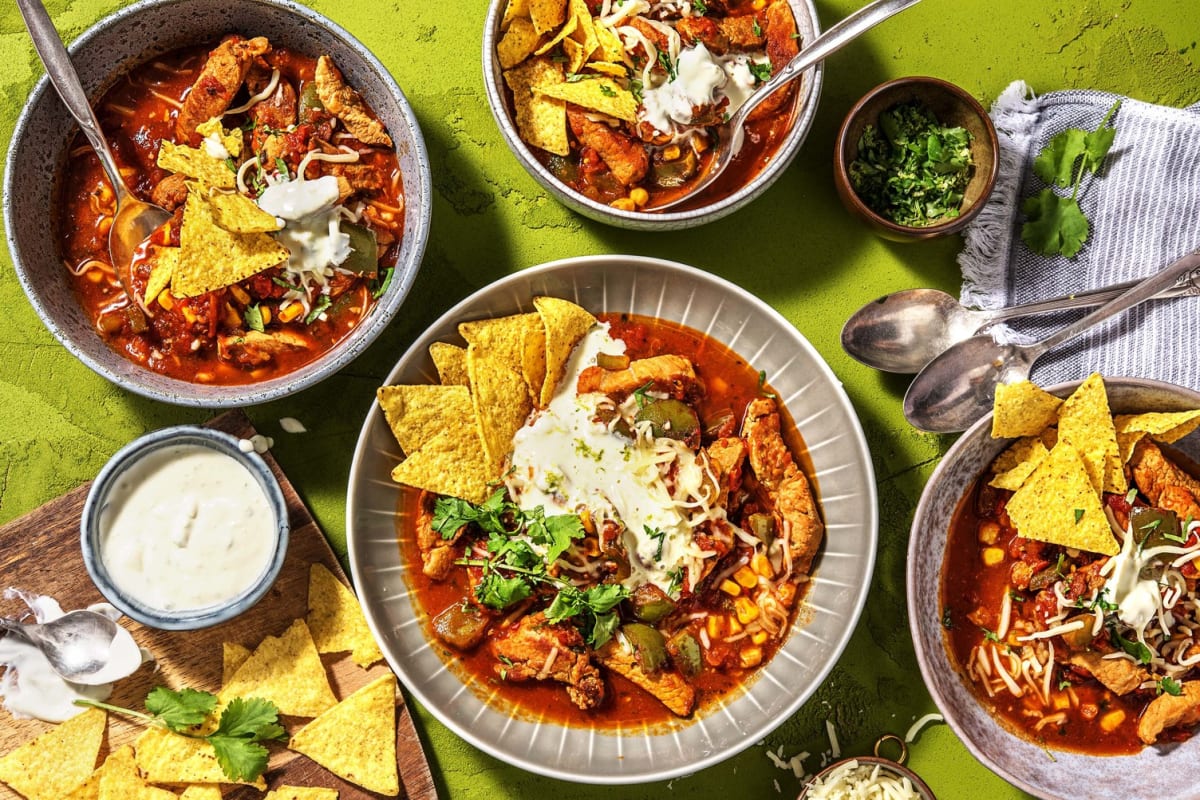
[{"x": 128, "y": 712}]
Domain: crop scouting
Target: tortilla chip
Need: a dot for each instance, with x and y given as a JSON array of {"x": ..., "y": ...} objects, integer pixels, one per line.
[
  {"x": 237, "y": 213},
  {"x": 541, "y": 121},
  {"x": 533, "y": 365},
  {"x": 416, "y": 414},
  {"x": 120, "y": 779},
  {"x": 575, "y": 55},
  {"x": 518, "y": 44},
  {"x": 600, "y": 93},
  {"x": 201, "y": 792},
  {"x": 547, "y": 14},
  {"x": 356, "y": 739},
  {"x": 1018, "y": 462},
  {"x": 502, "y": 404},
  {"x": 499, "y": 338},
  {"x": 565, "y": 323},
  {"x": 514, "y": 9},
  {"x": 1085, "y": 423},
  {"x": 301, "y": 793},
  {"x": 287, "y": 671},
  {"x": 585, "y": 29},
  {"x": 450, "y": 362},
  {"x": 196, "y": 164},
  {"x": 1022, "y": 409},
  {"x": 231, "y": 140},
  {"x": 1162, "y": 426},
  {"x": 609, "y": 68},
  {"x": 1127, "y": 443},
  {"x": 166, "y": 260},
  {"x": 213, "y": 258},
  {"x": 232, "y": 657},
  {"x": 58, "y": 761},
  {"x": 566, "y": 31},
  {"x": 609, "y": 47},
  {"x": 452, "y": 463},
  {"x": 165, "y": 757},
  {"x": 336, "y": 619},
  {"x": 1059, "y": 504}
]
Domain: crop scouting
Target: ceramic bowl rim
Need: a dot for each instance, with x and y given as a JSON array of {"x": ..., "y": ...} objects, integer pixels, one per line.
[{"x": 126, "y": 457}]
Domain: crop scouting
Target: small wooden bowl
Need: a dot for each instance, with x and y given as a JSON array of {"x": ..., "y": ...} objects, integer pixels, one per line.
[{"x": 952, "y": 106}]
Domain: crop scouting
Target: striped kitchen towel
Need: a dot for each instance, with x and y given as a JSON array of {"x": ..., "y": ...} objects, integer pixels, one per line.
[{"x": 1144, "y": 211}]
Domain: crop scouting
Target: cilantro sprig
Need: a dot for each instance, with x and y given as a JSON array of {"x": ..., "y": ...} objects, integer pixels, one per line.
[
  {"x": 237, "y": 741},
  {"x": 1056, "y": 224}
]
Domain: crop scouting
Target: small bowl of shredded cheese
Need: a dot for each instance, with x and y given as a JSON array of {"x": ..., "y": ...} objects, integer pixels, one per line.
[{"x": 866, "y": 778}]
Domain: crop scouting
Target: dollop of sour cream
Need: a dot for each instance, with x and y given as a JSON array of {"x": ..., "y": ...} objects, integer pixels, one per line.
[
  {"x": 311, "y": 223},
  {"x": 31, "y": 689},
  {"x": 186, "y": 527},
  {"x": 701, "y": 79}
]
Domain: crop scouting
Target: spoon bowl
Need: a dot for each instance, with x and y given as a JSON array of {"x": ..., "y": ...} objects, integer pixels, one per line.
[{"x": 77, "y": 645}]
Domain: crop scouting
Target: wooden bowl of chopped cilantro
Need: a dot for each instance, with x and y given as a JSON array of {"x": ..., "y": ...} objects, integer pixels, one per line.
[{"x": 916, "y": 158}]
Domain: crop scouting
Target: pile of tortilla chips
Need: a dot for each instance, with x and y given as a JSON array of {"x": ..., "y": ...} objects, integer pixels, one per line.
[
  {"x": 553, "y": 52},
  {"x": 354, "y": 738},
  {"x": 455, "y": 435},
  {"x": 1068, "y": 454},
  {"x": 225, "y": 235}
]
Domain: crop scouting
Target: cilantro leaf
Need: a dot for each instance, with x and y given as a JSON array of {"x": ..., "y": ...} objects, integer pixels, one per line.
[
  {"x": 1169, "y": 685},
  {"x": 603, "y": 628},
  {"x": 757, "y": 29},
  {"x": 318, "y": 309},
  {"x": 239, "y": 759},
  {"x": 450, "y": 514},
  {"x": 699, "y": 7},
  {"x": 498, "y": 592},
  {"x": 253, "y": 717},
  {"x": 556, "y": 534},
  {"x": 283, "y": 169},
  {"x": 761, "y": 72},
  {"x": 667, "y": 64},
  {"x": 605, "y": 597},
  {"x": 1098, "y": 142},
  {"x": 180, "y": 709},
  {"x": 568, "y": 603},
  {"x": 1053, "y": 224},
  {"x": 1056, "y": 163},
  {"x": 254, "y": 318},
  {"x": 1139, "y": 651},
  {"x": 380, "y": 285}
]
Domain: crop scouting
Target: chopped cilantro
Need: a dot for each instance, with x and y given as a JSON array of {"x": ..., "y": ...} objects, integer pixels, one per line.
[
  {"x": 699, "y": 7},
  {"x": 283, "y": 169},
  {"x": 639, "y": 393},
  {"x": 254, "y": 318},
  {"x": 667, "y": 64},
  {"x": 576, "y": 77},
  {"x": 989, "y": 635},
  {"x": 761, "y": 72},
  {"x": 1169, "y": 685},
  {"x": 636, "y": 88},
  {"x": 947, "y": 619},
  {"x": 229, "y": 162},
  {"x": 657, "y": 535},
  {"x": 318, "y": 309},
  {"x": 380, "y": 285},
  {"x": 1139, "y": 651},
  {"x": 757, "y": 29},
  {"x": 1078, "y": 515},
  {"x": 607, "y": 90},
  {"x": 762, "y": 382}
]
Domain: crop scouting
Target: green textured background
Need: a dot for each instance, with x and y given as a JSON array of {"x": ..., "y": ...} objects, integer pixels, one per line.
[{"x": 795, "y": 247}]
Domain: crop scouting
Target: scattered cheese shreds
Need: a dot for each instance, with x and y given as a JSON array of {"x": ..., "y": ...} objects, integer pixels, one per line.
[
  {"x": 854, "y": 781},
  {"x": 920, "y": 724}
]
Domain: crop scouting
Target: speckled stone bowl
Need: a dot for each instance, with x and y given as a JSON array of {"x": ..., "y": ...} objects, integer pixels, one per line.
[
  {"x": 1156, "y": 772},
  {"x": 806, "y": 111},
  {"x": 104, "y": 53}
]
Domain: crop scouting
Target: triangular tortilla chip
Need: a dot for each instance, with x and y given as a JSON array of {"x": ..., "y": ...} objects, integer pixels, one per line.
[
  {"x": 1022, "y": 409},
  {"x": 196, "y": 164},
  {"x": 237, "y": 213},
  {"x": 575, "y": 55},
  {"x": 1127, "y": 443},
  {"x": 519, "y": 43},
  {"x": 450, "y": 361},
  {"x": 453, "y": 464},
  {"x": 165, "y": 757},
  {"x": 1163, "y": 426},
  {"x": 231, "y": 140},
  {"x": 514, "y": 9},
  {"x": 416, "y": 414},
  {"x": 566, "y": 31},
  {"x": 233, "y": 655},
  {"x": 58, "y": 761},
  {"x": 599, "y": 93},
  {"x": 585, "y": 30},
  {"x": 533, "y": 368},
  {"x": 1085, "y": 423},
  {"x": 500, "y": 338},
  {"x": 541, "y": 121},
  {"x": 1058, "y": 504},
  {"x": 287, "y": 671},
  {"x": 565, "y": 323},
  {"x": 609, "y": 47},
  {"x": 1018, "y": 462},
  {"x": 166, "y": 260},
  {"x": 547, "y": 14},
  {"x": 120, "y": 780},
  {"x": 201, "y": 792},
  {"x": 336, "y": 619},
  {"x": 356, "y": 739},
  {"x": 301, "y": 793},
  {"x": 502, "y": 405}
]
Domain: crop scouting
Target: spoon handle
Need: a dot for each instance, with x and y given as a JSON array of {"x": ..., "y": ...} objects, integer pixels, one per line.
[
  {"x": 1188, "y": 284},
  {"x": 1140, "y": 293},
  {"x": 832, "y": 40},
  {"x": 62, "y": 74}
]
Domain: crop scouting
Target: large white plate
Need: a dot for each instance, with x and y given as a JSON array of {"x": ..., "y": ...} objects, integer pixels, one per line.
[{"x": 846, "y": 486}]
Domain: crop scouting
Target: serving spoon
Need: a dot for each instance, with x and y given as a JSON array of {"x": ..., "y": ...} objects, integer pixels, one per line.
[
  {"x": 76, "y": 645},
  {"x": 903, "y": 331},
  {"x": 135, "y": 219},
  {"x": 733, "y": 133},
  {"x": 958, "y": 386}
]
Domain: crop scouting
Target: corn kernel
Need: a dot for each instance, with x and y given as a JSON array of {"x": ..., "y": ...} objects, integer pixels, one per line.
[
  {"x": 1112, "y": 720},
  {"x": 623, "y": 204},
  {"x": 290, "y": 312},
  {"x": 639, "y": 196},
  {"x": 750, "y": 657},
  {"x": 240, "y": 294},
  {"x": 988, "y": 532},
  {"x": 715, "y": 625},
  {"x": 189, "y": 314},
  {"x": 94, "y": 275},
  {"x": 166, "y": 300},
  {"x": 730, "y": 588},
  {"x": 747, "y": 610},
  {"x": 266, "y": 314},
  {"x": 671, "y": 152},
  {"x": 1062, "y": 701},
  {"x": 735, "y": 627},
  {"x": 762, "y": 565},
  {"x": 759, "y": 5},
  {"x": 992, "y": 556},
  {"x": 759, "y": 637},
  {"x": 699, "y": 144},
  {"x": 746, "y": 577}
]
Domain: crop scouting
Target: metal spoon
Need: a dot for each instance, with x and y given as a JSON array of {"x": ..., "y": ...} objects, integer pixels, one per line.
[
  {"x": 135, "y": 219},
  {"x": 958, "y": 387},
  {"x": 733, "y": 133},
  {"x": 77, "y": 644},
  {"x": 904, "y": 331}
]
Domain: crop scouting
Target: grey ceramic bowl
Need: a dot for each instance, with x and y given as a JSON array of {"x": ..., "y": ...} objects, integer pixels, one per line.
[
  {"x": 104, "y": 53},
  {"x": 1155, "y": 772},
  {"x": 806, "y": 111},
  {"x": 813, "y": 395},
  {"x": 93, "y": 520}
]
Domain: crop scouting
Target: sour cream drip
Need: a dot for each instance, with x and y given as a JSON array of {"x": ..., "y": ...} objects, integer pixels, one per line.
[
  {"x": 701, "y": 79},
  {"x": 566, "y": 462}
]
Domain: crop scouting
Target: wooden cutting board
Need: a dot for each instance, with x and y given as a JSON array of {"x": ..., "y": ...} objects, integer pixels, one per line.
[{"x": 40, "y": 553}]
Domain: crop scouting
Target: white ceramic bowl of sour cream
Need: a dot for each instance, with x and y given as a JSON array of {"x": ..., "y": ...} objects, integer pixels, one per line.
[{"x": 182, "y": 529}]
